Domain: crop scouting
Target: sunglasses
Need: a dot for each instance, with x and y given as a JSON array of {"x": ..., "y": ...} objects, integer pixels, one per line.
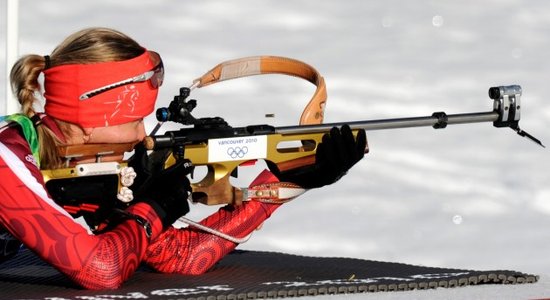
[{"x": 155, "y": 78}]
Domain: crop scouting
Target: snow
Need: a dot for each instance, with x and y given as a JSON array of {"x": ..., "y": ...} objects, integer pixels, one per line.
[{"x": 468, "y": 196}]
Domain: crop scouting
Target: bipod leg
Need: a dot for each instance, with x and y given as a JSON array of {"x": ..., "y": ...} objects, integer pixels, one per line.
[{"x": 527, "y": 135}]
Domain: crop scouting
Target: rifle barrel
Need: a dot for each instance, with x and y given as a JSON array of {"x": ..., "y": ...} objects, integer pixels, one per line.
[{"x": 380, "y": 124}]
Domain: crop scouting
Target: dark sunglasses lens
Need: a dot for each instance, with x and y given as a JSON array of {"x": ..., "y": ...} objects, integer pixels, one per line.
[{"x": 158, "y": 77}]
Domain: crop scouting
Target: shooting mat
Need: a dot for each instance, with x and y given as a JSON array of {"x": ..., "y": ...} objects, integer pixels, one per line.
[{"x": 249, "y": 275}]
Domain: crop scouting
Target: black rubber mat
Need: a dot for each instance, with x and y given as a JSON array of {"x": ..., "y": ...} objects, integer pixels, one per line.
[{"x": 248, "y": 275}]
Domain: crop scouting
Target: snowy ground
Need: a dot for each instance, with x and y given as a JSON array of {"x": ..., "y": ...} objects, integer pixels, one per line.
[{"x": 469, "y": 196}]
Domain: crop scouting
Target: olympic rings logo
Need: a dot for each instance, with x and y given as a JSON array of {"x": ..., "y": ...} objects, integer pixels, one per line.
[{"x": 237, "y": 152}]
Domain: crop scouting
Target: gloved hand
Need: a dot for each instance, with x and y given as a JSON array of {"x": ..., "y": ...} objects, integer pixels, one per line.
[
  {"x": 146, "y": 165},
  {"x": 335, "y": 155},
  {"x": 166, "y": 190}
]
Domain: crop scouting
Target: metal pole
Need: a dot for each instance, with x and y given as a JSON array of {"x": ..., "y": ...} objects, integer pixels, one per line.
[
  {"x": 394, "y": 123},
  {"x": 12, "y": 48}
]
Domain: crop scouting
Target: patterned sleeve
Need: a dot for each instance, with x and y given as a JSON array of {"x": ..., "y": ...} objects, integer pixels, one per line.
[{"x": 101, "y": 261}]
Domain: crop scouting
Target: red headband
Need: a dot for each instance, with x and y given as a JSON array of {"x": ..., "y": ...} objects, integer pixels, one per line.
[{"x": 66, "y": 83}]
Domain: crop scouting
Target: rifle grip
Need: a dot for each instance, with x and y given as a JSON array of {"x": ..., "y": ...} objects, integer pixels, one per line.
[{"x": 219, "y": 192}]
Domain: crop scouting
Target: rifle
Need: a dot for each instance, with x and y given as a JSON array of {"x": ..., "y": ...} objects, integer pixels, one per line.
[{"x": 213, "y": 143}]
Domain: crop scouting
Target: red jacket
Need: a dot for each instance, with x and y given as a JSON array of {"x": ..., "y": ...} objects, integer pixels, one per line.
[{"x": 105, "y": 260}]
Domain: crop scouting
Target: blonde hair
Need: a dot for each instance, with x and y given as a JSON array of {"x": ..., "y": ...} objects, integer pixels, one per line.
[{"x": 86, "y": 46}]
